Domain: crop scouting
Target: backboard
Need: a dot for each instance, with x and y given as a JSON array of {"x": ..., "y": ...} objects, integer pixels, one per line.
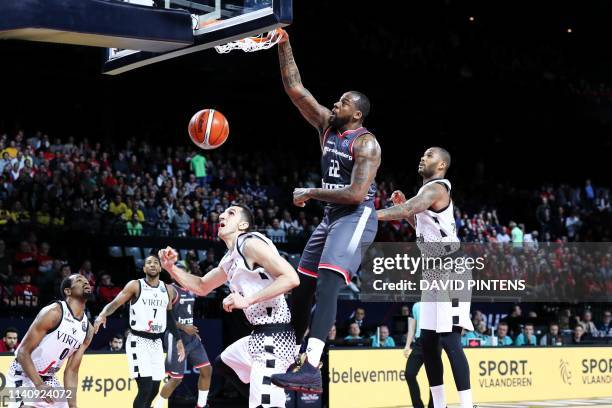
[{"x": 214, "y": 22}]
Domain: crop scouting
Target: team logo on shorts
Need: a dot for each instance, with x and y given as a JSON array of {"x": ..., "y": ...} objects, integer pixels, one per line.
[{"x": 84, "y": 325}]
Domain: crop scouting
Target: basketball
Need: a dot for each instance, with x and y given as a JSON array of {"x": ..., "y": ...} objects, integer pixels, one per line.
[{"x": 208, "y": 129}]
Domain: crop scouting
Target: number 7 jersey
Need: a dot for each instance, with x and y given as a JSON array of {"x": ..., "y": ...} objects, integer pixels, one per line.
[{"x": 148, "y": 311}]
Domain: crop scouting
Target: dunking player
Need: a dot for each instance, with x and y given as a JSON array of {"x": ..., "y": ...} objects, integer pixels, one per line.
[
  {"x": 150, "y": 315},
  {"x": 431, "y": 213},
  {"x": 60, "y": 333},
  {"x": 351, "y": 156},
  {"x": 182, "y": 306},
  {"x": 258, "y": 279}
]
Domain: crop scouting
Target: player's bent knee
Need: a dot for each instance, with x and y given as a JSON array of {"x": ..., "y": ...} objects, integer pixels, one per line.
[{"x": 205, "y": 371}]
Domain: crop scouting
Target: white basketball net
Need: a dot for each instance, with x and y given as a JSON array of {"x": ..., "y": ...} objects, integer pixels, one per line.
[{"x": 251, "y": 44}]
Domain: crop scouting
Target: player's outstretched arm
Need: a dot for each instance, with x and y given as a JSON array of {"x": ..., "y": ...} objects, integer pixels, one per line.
[
  {"x": 201, "y": 286},
  {"x": 258, "y": 252},
  {"x": 316, "y": 114},
  {"x": 46, "y": 320},
  {"x": 366, "y": 151},
  {"x": 417, "y": 204},
  {"x": 71, "y": 373},
  {"x": 129, "y": 291}
]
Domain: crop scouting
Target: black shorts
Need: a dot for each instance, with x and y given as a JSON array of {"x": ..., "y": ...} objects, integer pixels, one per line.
[
  {"x": 338, "y": 242},
  {"x": 195, "y": 353}
]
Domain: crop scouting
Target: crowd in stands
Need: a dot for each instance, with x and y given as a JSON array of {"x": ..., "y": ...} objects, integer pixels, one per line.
[
  {"x": 142, "y": 190},
  {"x": 138, "y": 190},
  {"x": 561, "y": 328},
  {"x": 556, "y": 327}
]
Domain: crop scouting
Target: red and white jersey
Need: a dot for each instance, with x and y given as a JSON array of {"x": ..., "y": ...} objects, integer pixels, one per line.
[
  {"x": 246, "y": 281},
  {"x": 59, "y": 344},
  {"x": 148, "y": 311}
]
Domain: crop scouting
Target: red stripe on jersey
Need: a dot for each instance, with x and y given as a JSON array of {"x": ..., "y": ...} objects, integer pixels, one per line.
[{"x": 47, "y": 369}]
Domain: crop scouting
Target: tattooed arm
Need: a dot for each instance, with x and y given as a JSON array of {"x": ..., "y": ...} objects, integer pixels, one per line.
[
  {"x": 316, "y": 114},
  {"x": 367, "y": 159},
  {"x": 417, "y": 204}
]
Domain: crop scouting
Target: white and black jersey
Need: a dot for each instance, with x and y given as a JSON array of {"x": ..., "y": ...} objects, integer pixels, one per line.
[
  {"x": 148, "y": 314},
  {"x": 437, "y": 237},
  {"x": 437, "y": 226},
  {"x": 248, "y": 281},
  {"x": 58, "y": 344},
  {"x": 270, "y": 348},
  {"x": 148, "y": 311},
  {"x": 48, "y": 357}
]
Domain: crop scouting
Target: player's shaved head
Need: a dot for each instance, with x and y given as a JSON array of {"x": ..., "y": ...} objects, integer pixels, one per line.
[
  {"x": 362, "y": 103},
  {"x": 444, "y": 155},
  {"x": 67, "y": 284}
]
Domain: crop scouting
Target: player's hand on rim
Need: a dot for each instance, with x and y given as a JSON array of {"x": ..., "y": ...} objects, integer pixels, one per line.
[
  {"x": 283, "y": 34},
  {"x": 300, "y": 196}
]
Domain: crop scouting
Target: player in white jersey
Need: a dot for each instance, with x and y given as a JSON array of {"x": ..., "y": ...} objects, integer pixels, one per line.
[
  {"x": 258, "y": 278},
  {"x": 150, "y": 316},
  {"x": 442, "y": 316},
  {"x": 60, "y": 333}
]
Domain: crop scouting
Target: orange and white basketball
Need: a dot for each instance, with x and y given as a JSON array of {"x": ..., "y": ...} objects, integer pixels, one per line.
[{"x": 208, "y": 129}]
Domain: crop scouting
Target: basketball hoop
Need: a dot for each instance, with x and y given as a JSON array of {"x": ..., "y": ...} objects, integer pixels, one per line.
[{"x": 251, "y": 44}]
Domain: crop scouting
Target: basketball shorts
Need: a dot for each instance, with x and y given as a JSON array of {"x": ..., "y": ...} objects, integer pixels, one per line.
[
  {"x": 338, "y": 242},
  {"x": 16, "y": 379},
  {"x": 195, "y": 353},
  {"x": 257, "y": 357},
  {"x": 145, "y": 357},
  {"x": 442, "y": 309}
]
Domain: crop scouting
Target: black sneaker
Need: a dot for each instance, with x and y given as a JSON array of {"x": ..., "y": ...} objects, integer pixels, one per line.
[{"x": 306, "y": 379}]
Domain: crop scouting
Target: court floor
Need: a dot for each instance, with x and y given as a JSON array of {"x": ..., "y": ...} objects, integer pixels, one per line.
[{"x": 567, "y": 403}]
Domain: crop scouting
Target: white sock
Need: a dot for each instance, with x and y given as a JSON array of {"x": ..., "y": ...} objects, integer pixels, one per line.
[
  {"x": 466, "y": 399},
  {"x": 203, "y": 396},
  {"x": 437, "y": 393},
  {"x": 314, "y": 351},
  {"x": 161, "y": 402},
  {"x": 297, "y": 349}
]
